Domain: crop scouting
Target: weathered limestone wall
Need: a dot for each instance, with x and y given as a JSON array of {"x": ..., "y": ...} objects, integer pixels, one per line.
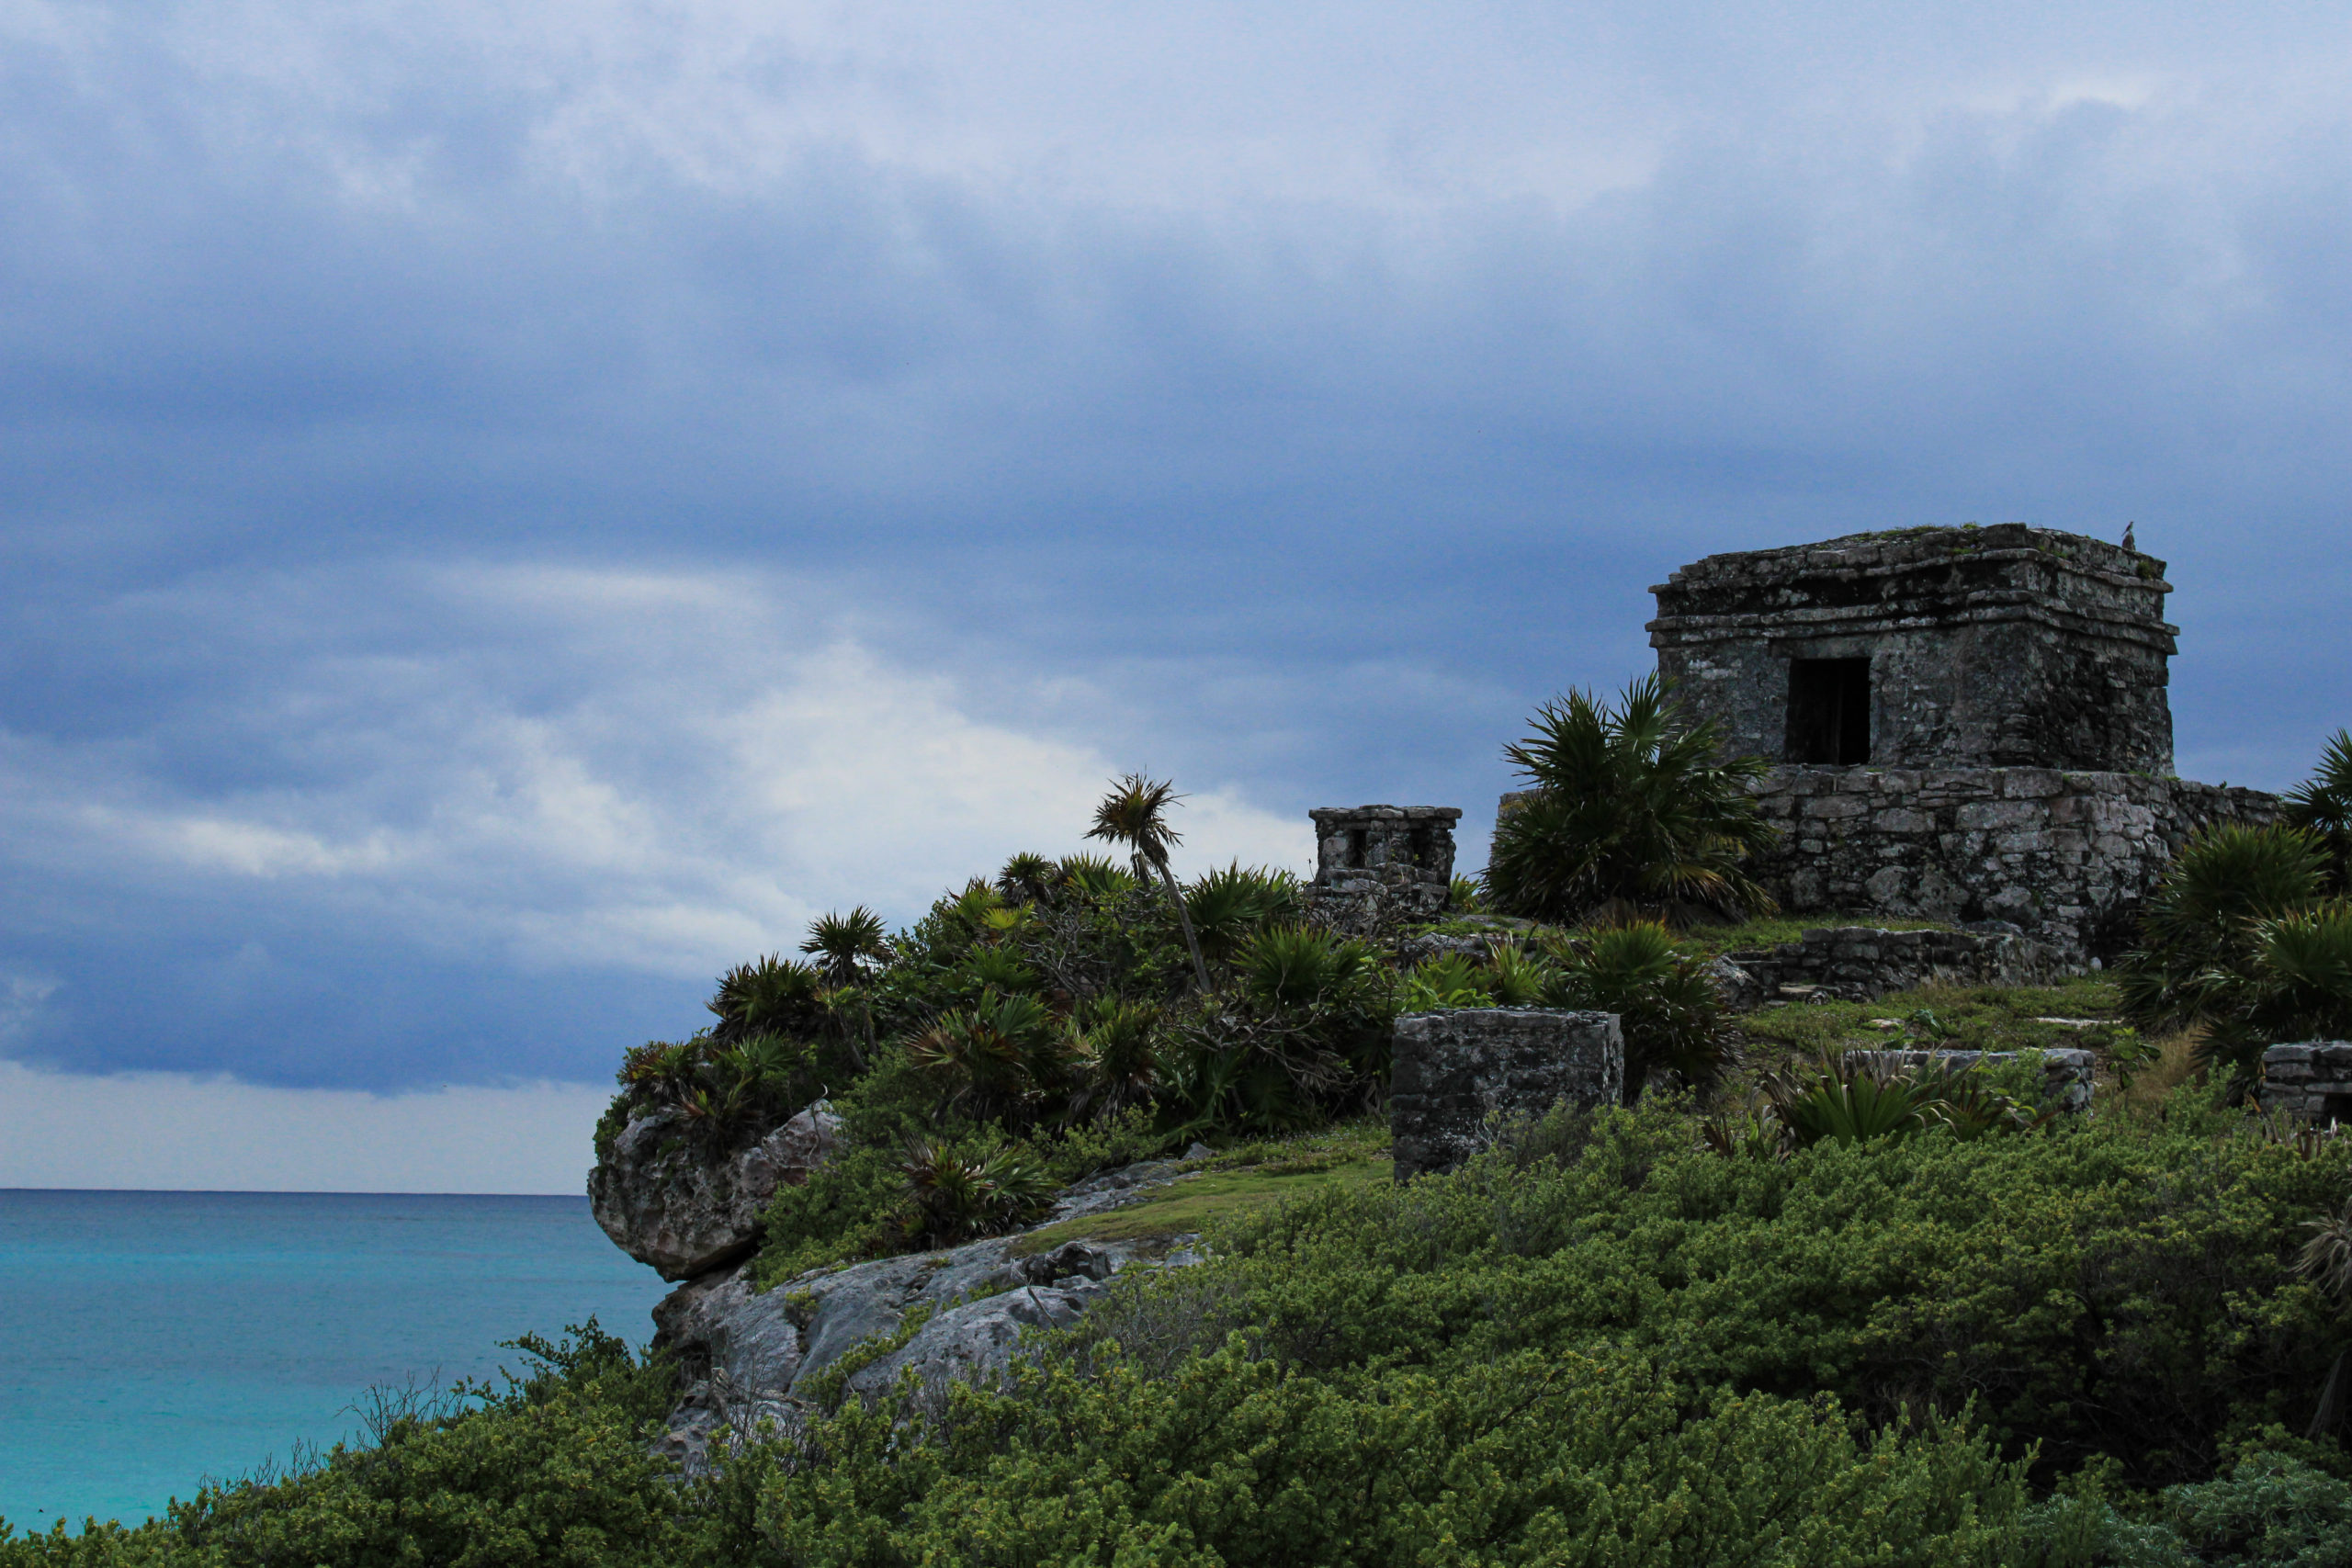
[
  {"x": 1452, "y": 1070},
  {"x": 2311, "y": 1079},
  {"x": 1377, "y": 866},
  {"x": 1863, "y": 963},
  {"x": 2066, "y": 857},
  {"x": 2007, "y": 646}
]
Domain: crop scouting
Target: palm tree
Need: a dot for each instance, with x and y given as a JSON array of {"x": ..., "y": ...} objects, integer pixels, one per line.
[
  {"x": 1133, "y": 814},
  {"x": 1634, "y": 810}
]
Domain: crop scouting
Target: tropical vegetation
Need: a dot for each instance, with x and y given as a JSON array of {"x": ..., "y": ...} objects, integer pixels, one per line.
[{"x": 1630, "y": 811}]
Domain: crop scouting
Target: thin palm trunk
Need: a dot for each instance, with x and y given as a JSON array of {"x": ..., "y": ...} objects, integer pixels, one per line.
[{"x": 1184, "y": 918}]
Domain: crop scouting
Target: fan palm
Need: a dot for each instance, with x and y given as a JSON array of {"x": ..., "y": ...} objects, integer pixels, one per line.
[
  {"x": 1633, "y": 810},
  {"x": 1135, "y": 813},
  {"x": 2322, "y": 806}
]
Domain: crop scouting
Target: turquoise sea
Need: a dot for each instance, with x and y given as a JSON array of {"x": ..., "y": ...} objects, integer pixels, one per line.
[{"x": 149, "y": 1339}]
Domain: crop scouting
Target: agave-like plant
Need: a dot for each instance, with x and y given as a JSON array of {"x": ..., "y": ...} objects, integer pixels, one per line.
[
  {"x": 2229, "y": 910},
  {"x": 991, "y": 1057},
  {"x": 1116, "y": 1048},
  {"x": 1849, "y": 1103},
  {"x": 1028, "y": 879},
  {"x": 1446, "y": 980},
  {"x": 1134, "y": 813},
  {"x": 843, "y": 943},
  {"x": 1303, "y": 967},
  {"x": 1634, "y": 810},
  {"x": 2321, "y": 806},
  {"x": 955, "y": 1195},
  {"x": 1096, "y": 879},
  {"x": 1229, "y": 905},
  {"x": 768, "y": 996},
  {"x": 1519, "y": 979},
  {"x": 1665, "y": 1001}
]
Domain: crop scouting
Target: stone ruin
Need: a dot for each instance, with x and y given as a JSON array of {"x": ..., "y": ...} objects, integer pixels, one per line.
[
  {"x": 1456, "y": 1075},
  {"x": 1379, "y": 866},
  {"x": 1966, "y": 724}
]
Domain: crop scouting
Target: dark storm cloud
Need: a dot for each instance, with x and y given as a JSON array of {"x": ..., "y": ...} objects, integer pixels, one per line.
[{"x": 457, "y": 460}]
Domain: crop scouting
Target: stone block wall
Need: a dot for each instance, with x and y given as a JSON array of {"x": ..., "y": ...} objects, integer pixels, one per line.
[
  {"x": 1378, "y": 866},
  {"x": 2067, "y": 1072},
  {"x": 2066, "y": 857},
  {"x": 2311, "y": 1079},
  {"x": 2006, "y": 646},
  {"x": 1863, "y": 963},
  {"x": 1454, "y": 1070}
]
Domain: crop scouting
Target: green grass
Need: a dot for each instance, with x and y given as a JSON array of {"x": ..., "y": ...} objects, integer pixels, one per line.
[
  {"x": 1237, "y": 1180},
  {"x": 1959, "y": 1018}
]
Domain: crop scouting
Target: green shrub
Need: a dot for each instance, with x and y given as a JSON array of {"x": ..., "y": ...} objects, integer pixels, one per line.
[
  {"x": 1634, "y": 811},
  {"x": 2321, "y": 806},
  {"x": 2237, "y": 941},
  {"x": 1665, "y": 1002}
]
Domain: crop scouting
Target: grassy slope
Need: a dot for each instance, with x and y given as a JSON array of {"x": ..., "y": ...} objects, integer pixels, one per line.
[{"x": 1250, "y": 1177}]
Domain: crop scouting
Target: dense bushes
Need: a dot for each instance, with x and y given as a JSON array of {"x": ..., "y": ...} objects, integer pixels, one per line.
[
  {"x": 1602, "y": 1342},
  {"x": 2241, "y": 940}
]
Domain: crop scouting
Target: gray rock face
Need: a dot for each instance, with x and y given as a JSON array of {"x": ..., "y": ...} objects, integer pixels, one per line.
[
  {"x": 666, "y": 1203},
  {"x": 754, "y": 1362},
  {"x": 2067, "y": 1072},
  {"x": 2310, "y": 1079},
  {"x": 1452, "y": 1071}
]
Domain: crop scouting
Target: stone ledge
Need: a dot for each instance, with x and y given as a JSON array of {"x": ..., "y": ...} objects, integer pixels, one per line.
[{"x": 2310, "y": 1078}]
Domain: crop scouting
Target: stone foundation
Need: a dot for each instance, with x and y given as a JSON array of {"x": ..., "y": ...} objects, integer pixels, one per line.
[
  {"x": 1860, "y": 963},
  {"x": 2065, "y": 857},
  {"x": 2067, "y": 1072},
  {"x": 1456, "y": 1071},
  {"x": 2311, "y": 1079}
]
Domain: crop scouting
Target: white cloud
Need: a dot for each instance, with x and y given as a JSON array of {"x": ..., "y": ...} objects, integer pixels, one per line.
[
  {"x": 174, "y": 1132},
  {"x": 653, "y": 773}
]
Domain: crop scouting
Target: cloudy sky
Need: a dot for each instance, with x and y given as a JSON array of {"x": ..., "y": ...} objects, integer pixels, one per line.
[{"x": 506, "y": 509}]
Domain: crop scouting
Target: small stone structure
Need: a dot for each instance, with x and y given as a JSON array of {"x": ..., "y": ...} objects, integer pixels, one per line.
[
  {"x": 1989, "y": 648},
  {"x": 1454, "y": 1070},
  {"x": 1377, "y": 866},
  {"x": 2067, "y": 1071},
  {"x": 2312, "y": 1078},
  {"x": 1860, "y": 963},
  {"x": 1965, "y": 724}
]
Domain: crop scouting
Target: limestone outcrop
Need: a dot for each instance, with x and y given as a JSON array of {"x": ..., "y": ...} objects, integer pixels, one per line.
[
  {"x": 755, "y": 1364},
  {"x": 668, "y": 1203}
]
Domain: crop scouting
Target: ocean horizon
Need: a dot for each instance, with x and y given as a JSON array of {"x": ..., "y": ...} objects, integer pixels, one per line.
[{"x": 159, "y": 1340}]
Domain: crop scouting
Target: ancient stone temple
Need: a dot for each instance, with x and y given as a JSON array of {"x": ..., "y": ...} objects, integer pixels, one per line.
[
  {"x": 1966, "y": 724},
  {"x": 2002, "y": 647},
  {"x": 1379, "y": 865}
]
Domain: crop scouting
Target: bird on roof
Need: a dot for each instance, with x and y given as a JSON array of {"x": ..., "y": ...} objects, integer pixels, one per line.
[{"x": 2128, "y": 542}]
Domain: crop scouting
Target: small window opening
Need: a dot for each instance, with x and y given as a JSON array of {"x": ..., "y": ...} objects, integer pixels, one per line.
[
  {"x": 1356, "y": 840},
  {"x": 1422, "y": 844},
  {"x": 1829, "y": 711},
  {"x": 2335, "y": 1108}
]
